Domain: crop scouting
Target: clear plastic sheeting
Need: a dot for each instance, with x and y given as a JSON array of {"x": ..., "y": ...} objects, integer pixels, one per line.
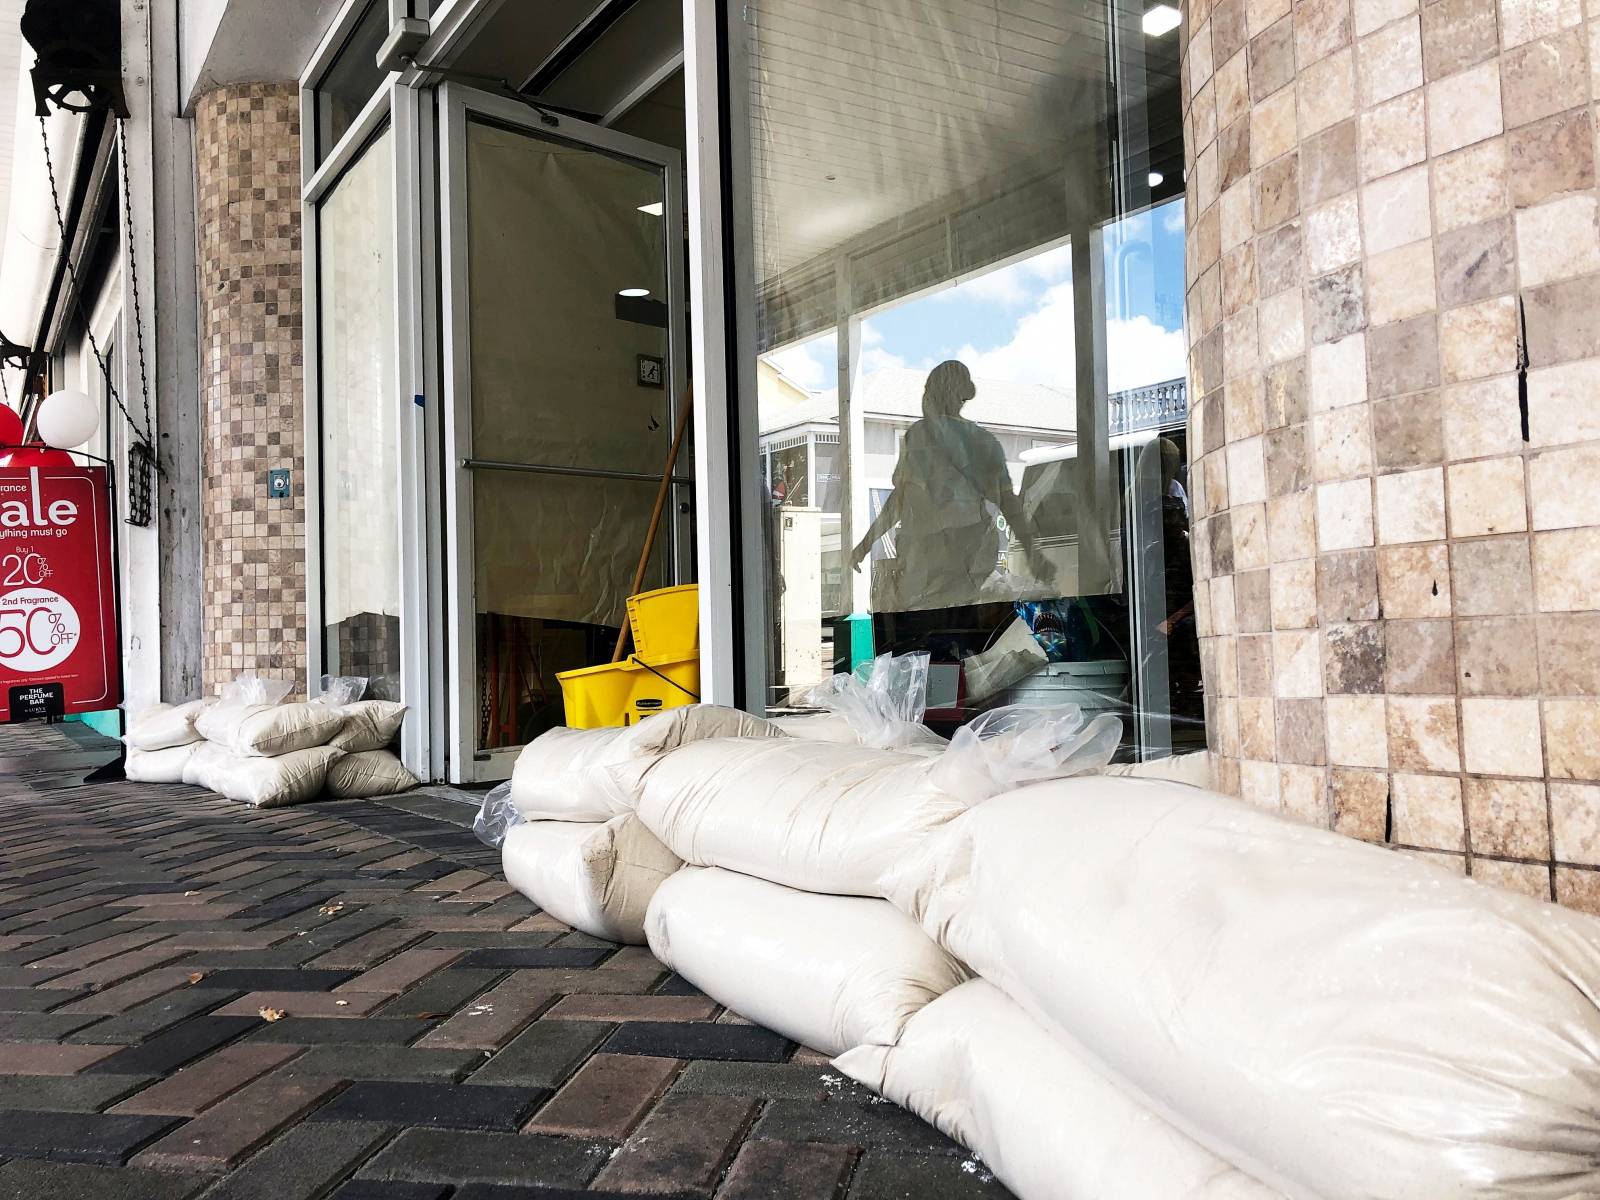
[
  {"x": 885, "y": 705},
  {"x": 340, "y": 690},
  {"x": 1048, "y": 1122},
  {"x": 496, "y": 815},
  {"x": 831, "y": 972},
  {"x": 1336, "y": 1019},
  {"x": 1005, "y": 748},
  {"x": 254, "y": 689},
  {"x": 598, "y": 877}
]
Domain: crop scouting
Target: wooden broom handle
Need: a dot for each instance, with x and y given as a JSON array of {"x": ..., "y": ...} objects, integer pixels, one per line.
[{"x": 686, "y": 406}]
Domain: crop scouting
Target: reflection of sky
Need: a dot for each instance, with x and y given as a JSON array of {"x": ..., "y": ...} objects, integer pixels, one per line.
[{"x": 1016, "y": 322}]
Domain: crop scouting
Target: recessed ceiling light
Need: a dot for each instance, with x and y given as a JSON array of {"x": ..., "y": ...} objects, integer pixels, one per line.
[
  {"x": 634, "y": 293},
  {"x": 1161, "y": 19},
  {"x": 653, "y": 209},
  {"x": 1155, "y": 178}
]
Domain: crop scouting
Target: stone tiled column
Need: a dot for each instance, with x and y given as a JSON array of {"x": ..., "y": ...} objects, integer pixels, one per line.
[
  {"x": 247, "y": 162},
  {"x": 1398, "y": 533}
]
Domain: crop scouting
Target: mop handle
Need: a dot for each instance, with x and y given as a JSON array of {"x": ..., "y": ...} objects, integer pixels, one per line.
[{"x": 686, "y": 406}]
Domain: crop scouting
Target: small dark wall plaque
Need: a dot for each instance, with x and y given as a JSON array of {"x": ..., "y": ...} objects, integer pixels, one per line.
[
  {"x": 33, "y": 700},
  {"x": 652, "y": 371}
]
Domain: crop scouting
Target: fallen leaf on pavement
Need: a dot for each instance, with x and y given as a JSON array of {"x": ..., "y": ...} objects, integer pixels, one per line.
[{"x": 271, "y": 1014}]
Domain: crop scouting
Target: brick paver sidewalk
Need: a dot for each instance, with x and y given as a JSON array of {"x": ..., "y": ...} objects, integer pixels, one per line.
[{"x": 439, "y": 1037}]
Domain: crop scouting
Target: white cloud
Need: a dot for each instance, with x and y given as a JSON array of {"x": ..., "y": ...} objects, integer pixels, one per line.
[
  {"x": 1014, "y": 285},
  {"x": 1041, "y": 350},
  {"x": 1172, "y": 221},
  {"x": 810, "y": 364}
]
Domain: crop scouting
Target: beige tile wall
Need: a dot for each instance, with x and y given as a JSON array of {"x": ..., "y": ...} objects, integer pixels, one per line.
[
  {"x": 1398, "y": 535},
  {"x": 247, "y": 163}
]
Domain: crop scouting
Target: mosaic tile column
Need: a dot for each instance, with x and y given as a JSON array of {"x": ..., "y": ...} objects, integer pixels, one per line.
[
  {"x": 1389, "y": 208},
  {"x": 247, "y": 163}
]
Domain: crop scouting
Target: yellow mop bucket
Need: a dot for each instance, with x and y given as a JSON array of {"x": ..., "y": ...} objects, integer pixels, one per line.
[
  {"x": 625, "y": 693},
  {"x": 666, "y": 622}
]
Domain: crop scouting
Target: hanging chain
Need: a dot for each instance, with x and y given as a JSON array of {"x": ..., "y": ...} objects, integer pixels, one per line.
[
  {"x": 77, "y": 291},
  {"x": 133, "y": 270}
]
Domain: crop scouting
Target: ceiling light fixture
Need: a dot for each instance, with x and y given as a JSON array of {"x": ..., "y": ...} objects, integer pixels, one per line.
[
  {"x": 634, "y": 293},
  {"x": 654, "y": 209},
  {"x": 1160, "y": 19},
  {"x": 1155, "y": 178}
]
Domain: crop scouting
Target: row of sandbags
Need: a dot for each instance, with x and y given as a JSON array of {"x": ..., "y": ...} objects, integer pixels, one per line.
[
  {"x": 252, "y": 746},
  {"x": 1106, "y": 987}
]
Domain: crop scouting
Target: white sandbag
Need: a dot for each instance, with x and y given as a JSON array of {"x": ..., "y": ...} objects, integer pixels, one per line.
[
  {"x": 163, "y": 726},
  {"x": 811, "y": 815},
  {"x": 207, "y": 757},
  {"x": 265, "y": 730},
  {"x": 159, "y": 766},
  {"x": 368, "y": 773},
  {"x": 595, "y": 876},
  {"x": 291, "y": 778},
  {"x": 368, "y": 725},
  {"x": 562, "y": 774},
  {"x": 1334, "y": 1018},
  {"x": 831, "y": 972},
  {"x": 818, "y": 727},
  {"x": 1193, "y": 769},
  {"x": 1041, "y": 1116}
]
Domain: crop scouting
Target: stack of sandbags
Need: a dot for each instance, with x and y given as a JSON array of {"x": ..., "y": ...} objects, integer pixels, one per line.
[
  {"x": 265, "y": 754},
  {"x": 370, "y": 767},
  {"x": 160, "y": 740},
  {"x": 578, "y": 850},
  {"x": 1334, "y": 1018}
]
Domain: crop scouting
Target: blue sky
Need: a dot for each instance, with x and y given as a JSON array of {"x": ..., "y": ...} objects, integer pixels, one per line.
[{"x": 1016, "y": 322}]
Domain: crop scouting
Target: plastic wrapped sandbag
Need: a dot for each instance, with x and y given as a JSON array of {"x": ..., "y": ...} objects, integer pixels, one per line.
[
  {"x": 811, "y": 815},
  {"x": 253, "y": 689},
  {"x": 341, "y": 690},
  {"x": 368, "y": 773},
  {"x": 496, "y": 815},
  {"x": 1193, "y": 768},
  {"x": 368, "y": 725},
  {"x": 886, "y": 705},
  {"x": 291, "y": 778},
  {"x": 817, "y": 727},
  {"x": 159, "y": 766},
  {"x": 266, "y": 730},
  {"x": 1005, "y": 748},
  {"x": 1044, "y": 1119},
  {"x": 831, "y": 972},
  {"x": 596, "y": 876},
  {"x": 562, "y": 775},
  {"x": 1336, "y": 1019},
  {"x": 163, "y": 726}
]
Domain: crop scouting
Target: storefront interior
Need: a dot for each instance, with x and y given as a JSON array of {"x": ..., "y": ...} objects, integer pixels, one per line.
[{"x": 498, "y": 314}]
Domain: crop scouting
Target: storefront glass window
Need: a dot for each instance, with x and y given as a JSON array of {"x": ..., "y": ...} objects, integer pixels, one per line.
[
  {"x": 360, "y": 415},
  {"x": 969, "y": 267},
  {"x": 352, "y": 79}
]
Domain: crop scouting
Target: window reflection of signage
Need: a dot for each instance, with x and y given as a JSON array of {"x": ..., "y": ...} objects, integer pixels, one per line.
[
  {"x": 652, "y": 371},
  {"x": 58, "y": 631}
]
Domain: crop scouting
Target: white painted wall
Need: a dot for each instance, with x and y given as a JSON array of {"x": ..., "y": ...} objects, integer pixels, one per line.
[{"x": 246, "y": 41}]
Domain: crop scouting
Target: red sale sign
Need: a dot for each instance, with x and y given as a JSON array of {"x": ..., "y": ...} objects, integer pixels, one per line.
[{"x": 58, "y": 614}]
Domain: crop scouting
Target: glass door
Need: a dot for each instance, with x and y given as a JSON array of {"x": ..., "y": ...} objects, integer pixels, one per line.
[{"x": 563, "y": 328}]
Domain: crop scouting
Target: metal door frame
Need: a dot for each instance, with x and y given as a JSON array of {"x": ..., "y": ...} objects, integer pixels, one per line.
[{"x": 467, "y": 764}]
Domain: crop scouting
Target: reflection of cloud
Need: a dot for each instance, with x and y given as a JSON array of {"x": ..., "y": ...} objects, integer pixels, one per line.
[
  {"x": 1041, "y": 349},
  {"x": 1172, "y": 221},
  {"x": 810, "y": 364},
  {"x": 1015, "y": 285}
]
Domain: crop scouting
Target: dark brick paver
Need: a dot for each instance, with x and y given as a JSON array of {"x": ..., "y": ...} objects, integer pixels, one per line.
[{"x": 440, "y": 1038}]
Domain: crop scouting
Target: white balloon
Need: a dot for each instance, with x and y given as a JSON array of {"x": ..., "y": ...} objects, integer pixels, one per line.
[{"x": 67, "y": 419}]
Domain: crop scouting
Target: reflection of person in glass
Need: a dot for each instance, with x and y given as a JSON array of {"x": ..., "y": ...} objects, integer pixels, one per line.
[{"x": 951, "y": 472}]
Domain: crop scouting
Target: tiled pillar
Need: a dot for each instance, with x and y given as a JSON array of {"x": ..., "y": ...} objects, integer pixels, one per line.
[
  {"x": 1398, "y": 539},
  {"x": 247, "y": 163}
]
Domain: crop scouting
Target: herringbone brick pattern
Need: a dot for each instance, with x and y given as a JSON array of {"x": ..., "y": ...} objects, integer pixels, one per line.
[{"x": 438, "y": 1036}]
